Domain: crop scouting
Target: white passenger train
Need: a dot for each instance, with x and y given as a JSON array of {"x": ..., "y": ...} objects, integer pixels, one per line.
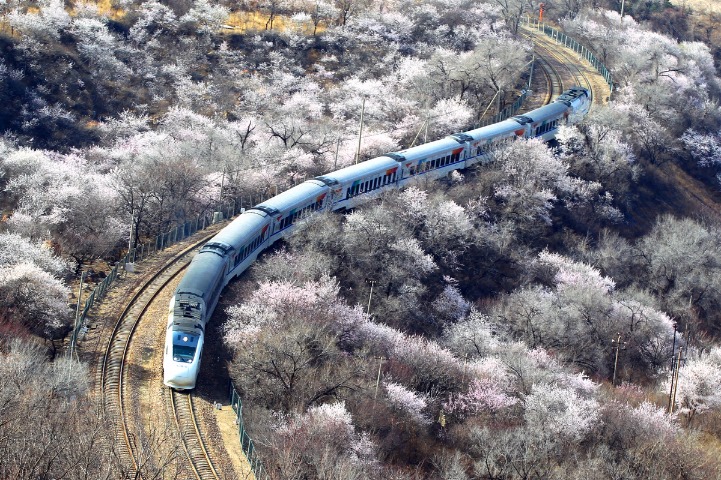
[{"x": 236, "y": 246}]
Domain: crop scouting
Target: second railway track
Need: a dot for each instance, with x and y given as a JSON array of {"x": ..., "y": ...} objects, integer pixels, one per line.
[{"x": 570, "y": 67}]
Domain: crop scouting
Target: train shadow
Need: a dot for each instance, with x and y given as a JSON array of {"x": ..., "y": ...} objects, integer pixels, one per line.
[{"x": 214, "y": 378}]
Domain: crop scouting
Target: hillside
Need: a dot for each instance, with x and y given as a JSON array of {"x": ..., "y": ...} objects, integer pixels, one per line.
[{"x": 520, "y": 319}]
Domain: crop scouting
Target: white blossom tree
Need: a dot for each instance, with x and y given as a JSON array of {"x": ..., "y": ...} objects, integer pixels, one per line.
[
  {"x": 34, "y": 299},
  {"x": 699, "y": 384}
]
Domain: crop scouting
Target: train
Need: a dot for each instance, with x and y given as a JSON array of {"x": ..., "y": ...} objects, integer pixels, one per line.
[{"x": 229, "y": 253}]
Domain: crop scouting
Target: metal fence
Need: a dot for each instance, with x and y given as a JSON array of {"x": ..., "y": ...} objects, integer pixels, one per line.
[
  {"x": 246, "y": 443},
  {"x": 569, "y": 42}
]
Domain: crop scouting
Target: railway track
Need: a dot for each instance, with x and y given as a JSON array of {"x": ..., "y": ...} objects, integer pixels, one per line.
[
  {"x": 570, "y": 67},
  {"x": 181, "y": 404},
  {"x": 563, "y": 71},
  {"x": 130, "y": 446},
  {"x": 554, "y": 82}
]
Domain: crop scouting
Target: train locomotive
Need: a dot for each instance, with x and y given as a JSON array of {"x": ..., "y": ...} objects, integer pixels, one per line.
[{"x": 235, "y": 247}]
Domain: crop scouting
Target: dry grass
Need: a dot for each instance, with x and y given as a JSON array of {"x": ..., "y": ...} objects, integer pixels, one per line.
[
  {"x": 256, "y": 21},
  {"x": 710, "y": 6},
  {"x": 106, "y": 9},
  {"x": 237, "y": 22}
]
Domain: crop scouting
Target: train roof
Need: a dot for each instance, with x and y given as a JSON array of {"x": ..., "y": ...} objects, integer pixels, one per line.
[
  {"x": 491, "y": 131},
  {"x": 552, "y": 110},
  {"x": 369, "y": 167},
  {"x": 243, "y": 229},
  {"x": 293, "y": 197},
  {"x": 428, "y": 149},
  {"x": 204, "y": 271}
]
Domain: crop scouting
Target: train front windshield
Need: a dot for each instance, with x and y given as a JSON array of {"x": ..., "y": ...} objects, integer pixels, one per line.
[{"x": 184, "y": 346}]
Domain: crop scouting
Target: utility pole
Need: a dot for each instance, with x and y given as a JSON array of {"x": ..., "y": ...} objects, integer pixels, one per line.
[
  {"x": 675, "y": 379},
  {"x": 360, "y": 131},
  {"x": 428, "y": 119},
  {"x": 615, "y": 362},
  {"x": 129, "y": 267},
  {"x": 335, "y": 160},
  {"x": 530, "y": 75},
  {"x": 368, "y": 310},
  {"x": 132, "y": 224},
  {"x": 378, "y": 379},
  {"x": 222, "y": 184},
  {"x": 673, "y": 370},
  {"x": 77, "y": 317}
]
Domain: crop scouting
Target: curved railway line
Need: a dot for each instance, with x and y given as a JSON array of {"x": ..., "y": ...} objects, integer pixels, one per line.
[
  {"x": 121, "y": 386},
  {"x": 577, "y": 71},
  {"x": 119, "y": 400}
]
